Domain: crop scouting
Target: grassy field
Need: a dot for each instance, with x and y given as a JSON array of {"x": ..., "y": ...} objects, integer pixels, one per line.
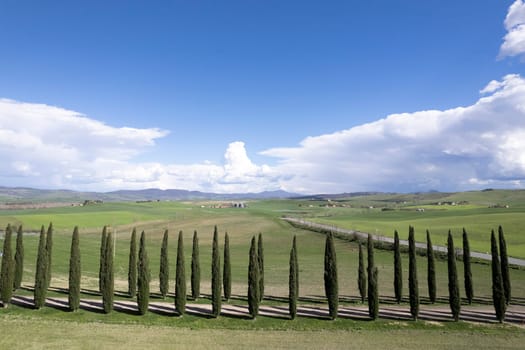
[{"x": 241, "y": 224}]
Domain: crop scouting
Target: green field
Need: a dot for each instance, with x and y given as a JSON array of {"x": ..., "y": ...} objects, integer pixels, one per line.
[{"x": 241, "y": 224}]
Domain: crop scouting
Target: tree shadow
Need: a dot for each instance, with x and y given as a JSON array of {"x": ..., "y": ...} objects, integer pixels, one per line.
[
  {"x": 22, "y": 301},
  {"x": 92, "y": 292},
  {"x": 92, "y": 306},
  {"x": 58, "y": 304},
  {"x": 59, "y": 290}
]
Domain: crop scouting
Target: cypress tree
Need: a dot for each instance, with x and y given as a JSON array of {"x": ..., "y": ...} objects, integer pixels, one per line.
[
  {"x": 109, "y": 285},
  {"x": 431, "y": 270},
  {"x": 330, "y": 276},
  {"x": 293, "y": 281},
  {"x": 260, "y": 262},
  {"x": 498, "y": 292},
  {"x": 40, "y": 275},
  {"x": 19, "y": 259},
  {"x": 49, "y": 253},
  {"x": 132, "y": 264},
  {"x": 7, "y": 271},
  {"x": 294, "y": 244},
  {"x": 143, "y": 277},
  {"x": 373, "y": 297},
  {"x": 102, "y": 263},
  {"x": 467, "y": 272},
  {"x": 164, "y": 273},
  {"x": 227, "y": 271},
  {"x": 453, "y": 285},
  {"x": 195, "y": 268},
  {"x": 215, "y": 275},
  {"x": 180, "y": 278},
  {"x": 505, "y": 272},
  {"x": 253, "y": 281},
  {"x": 361, "y": 274},
  {"x": 398, "y": 269},
  {"x": 74, "y": 272},
  {"x": 412, "y": 275}
]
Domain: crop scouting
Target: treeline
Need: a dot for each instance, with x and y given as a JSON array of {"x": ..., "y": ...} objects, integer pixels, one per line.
[{"x": 139, "y": 274}]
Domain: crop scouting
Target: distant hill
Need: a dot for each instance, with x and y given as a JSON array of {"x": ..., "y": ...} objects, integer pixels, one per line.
[{"x": 22, "y": 194}]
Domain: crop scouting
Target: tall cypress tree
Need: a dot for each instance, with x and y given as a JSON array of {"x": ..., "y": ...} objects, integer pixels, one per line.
[
  {"x": 293, "y": 281},
  {"x": 227, "y": 270},
  {"x": 49, "y": 253},
  {"x": 260, "y": 263},
  {"x": 108, "y": 274},
  {"x": 361, "y": 274},
  {"x": 398, "y": 269},
  {"x": 453, "y": 285},
  {"x": 164, "y": 273},
  {"x": 498, "y": 292},
  {"x": 467, "y": 272},
  {"x": 413, "y": 288},
  {"x": 7, "y": 271},
  {"x": 373, "y": 297},
  {"x": 41, "y": 268},
  {"x": 102, "y": 263},
  {"x": 143, "y": 277},
  {"x": 505, "y": 272},
  {"x": 215, "y": 275},
  {"x": 19, "y": 259},
  {"x": 253, "y": 281},
  {"x": 132, "y": 265},
  {"x": 195, "y": 268},
  {"x": 180, "y": 278},
  {"x": 330, "y": 276},
  {"x": 431, "y": 270},
  {"x": 74, "y": 272}
]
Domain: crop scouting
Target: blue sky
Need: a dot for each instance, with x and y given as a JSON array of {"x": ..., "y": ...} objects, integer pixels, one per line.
[{"x": 255, "y": 95}]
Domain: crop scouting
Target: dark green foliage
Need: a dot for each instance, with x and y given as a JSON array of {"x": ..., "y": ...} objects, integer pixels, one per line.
[
  {"x": 361, "y": 275},
  {"x": 373, "y": 299},
  {"x": 132, "y": 264},
  {"x": 74, "y": 272},
  {"x": 227, "y": 270},
  {"x": 253, "y": 281},
  {"x": 215, "y": 275},
  {"x": 260, "y": 262},
  {"x": 467, "y": 272},
  {"x": 293, "y": 281},
  {"x": 398, "y": 269},
  {"x": 431, "y": 270},
  {"x": 19, "y": 259},
  {"x": 180, "y": 278},
  {"x": 373, "y": 294},
  {"x": 195, "y": 268},
  {"x": 49, "y": 253},
  {"x": 102, "y": 259},
  {"x": 108, "y": 275},
  {"x": 330, "y": 276},
  {"x": 7, "y": 271},
  {"x": 143, "y": 277},
  {"x": 164, "y": 273},
  {"x": 505, "y": 272},
  {"x": 413, "y": 288},
  {"x": 453, "y": 285},
  {"x": 498, "y": 292},
  {"x": 40, "y": 275}
]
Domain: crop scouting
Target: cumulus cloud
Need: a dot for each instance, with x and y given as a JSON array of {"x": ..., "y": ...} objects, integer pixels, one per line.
[
  {"x": 462, "y": 148},
  {"x": 514, "y": 40},
  {"x": 51, "y": 147}
]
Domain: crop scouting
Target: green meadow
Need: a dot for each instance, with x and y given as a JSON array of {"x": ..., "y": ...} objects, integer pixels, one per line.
[{"x": 241, "y": 224}]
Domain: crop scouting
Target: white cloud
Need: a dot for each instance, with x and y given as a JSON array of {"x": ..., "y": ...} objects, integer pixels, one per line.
[
  {"x": 514, "y": 40},
  {"x": 46, "y": 146},
  {"x": 482, "y": 145},
  {"x": 455, "y": 149}
]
